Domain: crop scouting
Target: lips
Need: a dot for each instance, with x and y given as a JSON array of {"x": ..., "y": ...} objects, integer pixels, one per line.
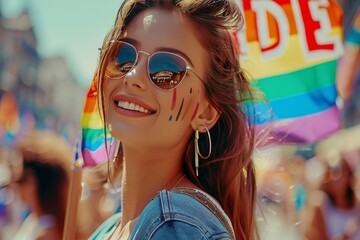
[{"x": 133, "y": 104}]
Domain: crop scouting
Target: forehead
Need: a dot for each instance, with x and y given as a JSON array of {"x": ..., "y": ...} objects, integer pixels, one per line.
[{"x": 156, "y": 28}]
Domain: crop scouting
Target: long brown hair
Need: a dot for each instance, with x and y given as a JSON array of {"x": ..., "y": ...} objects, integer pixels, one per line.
[
  {"x": 47, "y": 157},
  {"x": 228, "y": 174}
]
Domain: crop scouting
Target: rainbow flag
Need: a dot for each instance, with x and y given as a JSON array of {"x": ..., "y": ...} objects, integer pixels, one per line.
[
  {"x": 90, "y": 148},
  {"x": 9, "y": 119},
  {"x": 290, "y": 48}
]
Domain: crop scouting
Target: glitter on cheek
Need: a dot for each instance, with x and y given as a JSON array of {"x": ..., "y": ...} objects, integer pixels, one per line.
[{"x": 170, "y": 118}]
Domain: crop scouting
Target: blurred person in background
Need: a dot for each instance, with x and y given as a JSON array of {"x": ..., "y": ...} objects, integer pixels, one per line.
[
  {"x": 43, "y": 185},
  {"x": 336, "y": 212},
  {"x": 283, "y": 195}
]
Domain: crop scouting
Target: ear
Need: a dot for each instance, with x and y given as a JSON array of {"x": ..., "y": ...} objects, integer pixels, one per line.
[{"x": 207, "y": 116}]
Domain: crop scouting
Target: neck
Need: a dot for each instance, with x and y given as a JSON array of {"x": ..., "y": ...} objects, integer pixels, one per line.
[{"x": 143, "y": 177}]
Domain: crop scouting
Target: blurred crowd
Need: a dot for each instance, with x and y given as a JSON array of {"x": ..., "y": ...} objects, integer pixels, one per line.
[{"x": 311, "y": 198}]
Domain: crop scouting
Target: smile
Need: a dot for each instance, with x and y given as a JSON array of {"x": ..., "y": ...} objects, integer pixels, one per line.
[{"x": 133, "y": 107}]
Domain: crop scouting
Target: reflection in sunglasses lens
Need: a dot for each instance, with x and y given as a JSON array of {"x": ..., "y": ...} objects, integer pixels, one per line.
[
  {"x": 121, "y": 60},
  {"x": 126, "y": 58},
  {"x": 166, "y": 70}
]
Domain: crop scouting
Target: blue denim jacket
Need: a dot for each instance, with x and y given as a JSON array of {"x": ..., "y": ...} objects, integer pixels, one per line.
[{"x": 171, "y": 215}]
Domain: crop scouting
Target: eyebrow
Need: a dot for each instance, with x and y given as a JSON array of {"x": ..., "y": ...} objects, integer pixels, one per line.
[
  {"x": 166, "y": 49},
  {"x": 177, "y": 51}
]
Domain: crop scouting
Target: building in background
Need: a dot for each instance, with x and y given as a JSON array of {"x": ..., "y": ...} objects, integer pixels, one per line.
[{"x": 43, "y": 87}]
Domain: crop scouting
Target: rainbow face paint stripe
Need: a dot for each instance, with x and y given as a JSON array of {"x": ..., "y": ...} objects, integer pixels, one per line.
[
  {"x": 180, "y": 109},
  {"x": 173, "y": 104}
]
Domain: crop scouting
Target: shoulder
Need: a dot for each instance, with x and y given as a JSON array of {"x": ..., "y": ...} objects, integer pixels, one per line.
[
  {"x": 105, "y": 228},
  {"x": 174, "y": 215}
]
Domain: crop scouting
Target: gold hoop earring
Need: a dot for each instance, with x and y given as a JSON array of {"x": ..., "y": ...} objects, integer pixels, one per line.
[
  {"x": 116, "y": 150},
  {"x": 197, "y": 150}
]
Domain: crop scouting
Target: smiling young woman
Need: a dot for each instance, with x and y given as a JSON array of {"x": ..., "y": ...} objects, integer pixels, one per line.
[{"x": 172, "y": 91}]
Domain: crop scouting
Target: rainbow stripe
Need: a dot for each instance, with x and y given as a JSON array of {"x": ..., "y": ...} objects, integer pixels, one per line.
[
  {"x": 92, "y": 150},
  {"x": 300, "y": 83}
]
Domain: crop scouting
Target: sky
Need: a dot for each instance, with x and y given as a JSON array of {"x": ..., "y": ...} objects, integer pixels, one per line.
[{"x": 73, "y": 29}]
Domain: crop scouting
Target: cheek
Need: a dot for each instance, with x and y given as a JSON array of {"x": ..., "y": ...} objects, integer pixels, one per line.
[{"x": 184, "y": 104}]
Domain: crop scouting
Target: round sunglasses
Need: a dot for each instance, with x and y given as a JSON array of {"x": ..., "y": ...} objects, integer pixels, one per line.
[{"x": 166, "y": 70}]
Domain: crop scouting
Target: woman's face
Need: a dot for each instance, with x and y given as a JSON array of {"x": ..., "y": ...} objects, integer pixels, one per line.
[{"x": 167, "y": 122}]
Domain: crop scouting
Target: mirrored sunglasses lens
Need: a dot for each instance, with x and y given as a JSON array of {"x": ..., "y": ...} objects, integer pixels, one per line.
[
  {"x": 121, "y": 59},
  {"x": 166, "y": 70}
]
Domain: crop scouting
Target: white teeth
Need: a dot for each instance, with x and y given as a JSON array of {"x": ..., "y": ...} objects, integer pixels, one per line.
[{"x": 132, "y": 106}]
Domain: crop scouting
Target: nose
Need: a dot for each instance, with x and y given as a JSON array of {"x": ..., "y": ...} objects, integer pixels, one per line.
[{"x": 138, "y": 78}]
